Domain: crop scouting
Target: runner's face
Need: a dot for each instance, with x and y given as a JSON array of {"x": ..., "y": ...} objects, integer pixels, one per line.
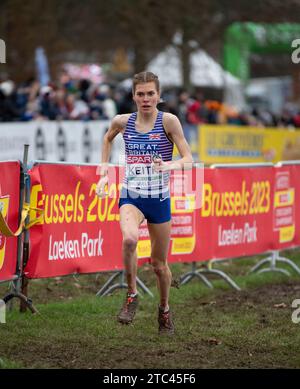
[{"x": 146, "y": 97}]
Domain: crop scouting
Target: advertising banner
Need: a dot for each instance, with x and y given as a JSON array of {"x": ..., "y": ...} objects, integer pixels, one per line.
[
  {"x": 286, "y": 207},
  {"x": 80, "y": 232},
  {"x": 64, "y": 141},
  {"x": 221, "y": 213},
  {"x": 236, "y": 214},
  {"x": 235, "y": 217},
  {"x": 9, "y": 207},
  {"x": 243, "y": 144},
  {"x": 186, "y": 199}
]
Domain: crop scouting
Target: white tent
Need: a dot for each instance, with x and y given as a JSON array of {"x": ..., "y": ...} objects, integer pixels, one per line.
[{"x": 205, "y": 71}]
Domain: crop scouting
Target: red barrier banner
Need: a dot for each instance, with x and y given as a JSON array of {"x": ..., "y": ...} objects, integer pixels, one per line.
[
  {"x": 234, "y": 212},
  {"x": 186, "y": 198},
  {"x": 286, "y": 207},
  {"x": 80, "y": 233},
  {"x": 236, "y": 215},
  {"x": 9, "y": 207}
]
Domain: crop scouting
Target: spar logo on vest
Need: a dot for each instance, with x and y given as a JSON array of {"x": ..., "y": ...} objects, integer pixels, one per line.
[{"x": 4, "y": 204}]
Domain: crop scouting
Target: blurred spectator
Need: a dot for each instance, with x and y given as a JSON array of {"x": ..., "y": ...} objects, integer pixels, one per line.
[
  {"x": 77, "y": 109},
  {"x": 196, "y": 110},
  {"x": 125, "y": 102},
  {"x": 296, "y": 120},
  {"x": 8, "y": 103},
  {"x": 48, "y": 106},
  {"x": 108, "y": 105},
  {"x": 213, "y": 109},
  {"x": 83, "y": 87},
  {"x": 183, "y": 103}
]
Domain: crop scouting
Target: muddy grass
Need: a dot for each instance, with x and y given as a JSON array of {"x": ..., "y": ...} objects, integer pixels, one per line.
[
  {"x": 214, "y": 329},
  {"x": 219, "y": 328}
]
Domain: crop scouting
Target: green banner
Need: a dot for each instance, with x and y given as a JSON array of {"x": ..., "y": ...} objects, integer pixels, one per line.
[{"x": 242, "y": 39}]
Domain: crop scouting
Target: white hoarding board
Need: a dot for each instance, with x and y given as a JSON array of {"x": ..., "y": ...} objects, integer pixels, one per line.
[{"x": 68, "y": 141}]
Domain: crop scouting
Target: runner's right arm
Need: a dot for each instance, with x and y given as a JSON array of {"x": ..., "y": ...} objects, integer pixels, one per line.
[{"x": 117, "y": 125}]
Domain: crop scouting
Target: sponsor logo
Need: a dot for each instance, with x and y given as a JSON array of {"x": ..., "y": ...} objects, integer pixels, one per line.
[
  {"x": 139, "y": 159},
  {"x": 165, "y": 198},
  {"x": 40, "y": 144},
  {"x": 87, "y": 145},
  {"x": 61, "y": 143}
]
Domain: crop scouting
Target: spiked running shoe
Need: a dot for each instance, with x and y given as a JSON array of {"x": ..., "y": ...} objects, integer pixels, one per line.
[
  {"x": 128, "y": 310},
  {"x": 165, "y": 322}
]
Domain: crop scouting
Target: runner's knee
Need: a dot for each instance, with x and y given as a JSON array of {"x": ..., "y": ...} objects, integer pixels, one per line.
[
  {"x": 160, "y": 267},
  {"x": 130, "y": 242}
]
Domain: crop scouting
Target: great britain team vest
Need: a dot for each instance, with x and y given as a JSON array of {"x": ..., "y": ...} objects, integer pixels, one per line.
[{"x": 139, "y": 149}]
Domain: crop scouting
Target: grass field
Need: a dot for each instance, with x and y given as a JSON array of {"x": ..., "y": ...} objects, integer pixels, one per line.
[{"x": 219, "y": 328}]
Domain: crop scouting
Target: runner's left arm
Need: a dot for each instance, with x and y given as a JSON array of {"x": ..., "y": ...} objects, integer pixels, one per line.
[{"x": 175, "y": 133}]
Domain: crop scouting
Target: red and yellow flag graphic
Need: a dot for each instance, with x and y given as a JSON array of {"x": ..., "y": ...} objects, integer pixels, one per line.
[{"x": 4, "y": 203}]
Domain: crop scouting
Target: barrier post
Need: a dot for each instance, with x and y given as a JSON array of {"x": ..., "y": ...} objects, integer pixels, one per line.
[
  {"x": 209, "y": 270},
  {"x": 185, "y": 278},
  {"x": 16, "y": 285},
  {"x": 106, "y": 288},
  {"x": 24, "y": 283},
  {"x": 272, "y": 260}
]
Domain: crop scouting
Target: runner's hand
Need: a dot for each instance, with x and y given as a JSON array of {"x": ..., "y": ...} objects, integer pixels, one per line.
[
  {"x": 157, "y": 161},
  {"x": 101, "y": 186},
  {"x": 158, "y": 164}
]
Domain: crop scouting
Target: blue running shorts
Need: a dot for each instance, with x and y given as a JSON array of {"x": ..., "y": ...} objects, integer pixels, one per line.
[{"x": 155, "y": 209}]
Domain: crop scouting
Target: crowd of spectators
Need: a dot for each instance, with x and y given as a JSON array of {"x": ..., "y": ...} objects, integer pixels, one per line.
[
  {"x": 197, "y": 110},
  {"x": 71, "y": 99},
  {"x": 67, "y": 100}
]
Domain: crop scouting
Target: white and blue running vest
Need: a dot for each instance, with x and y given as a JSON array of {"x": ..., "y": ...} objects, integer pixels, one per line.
[{"x": 139, "y": 149}]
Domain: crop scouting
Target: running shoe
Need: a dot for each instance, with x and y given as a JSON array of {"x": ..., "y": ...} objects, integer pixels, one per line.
[
  {"x": 128, "y": 309},
  {"x": 165, "y": 322}
]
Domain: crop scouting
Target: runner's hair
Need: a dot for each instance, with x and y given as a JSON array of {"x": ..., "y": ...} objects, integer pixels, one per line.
[{"x": 143, "y": 77}]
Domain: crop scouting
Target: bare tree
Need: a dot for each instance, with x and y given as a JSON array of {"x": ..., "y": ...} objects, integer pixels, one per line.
[{"x": 95, "y": 29}]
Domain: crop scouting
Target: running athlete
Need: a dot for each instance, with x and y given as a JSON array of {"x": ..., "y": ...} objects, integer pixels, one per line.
[{"x": 149, "y": 136}]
